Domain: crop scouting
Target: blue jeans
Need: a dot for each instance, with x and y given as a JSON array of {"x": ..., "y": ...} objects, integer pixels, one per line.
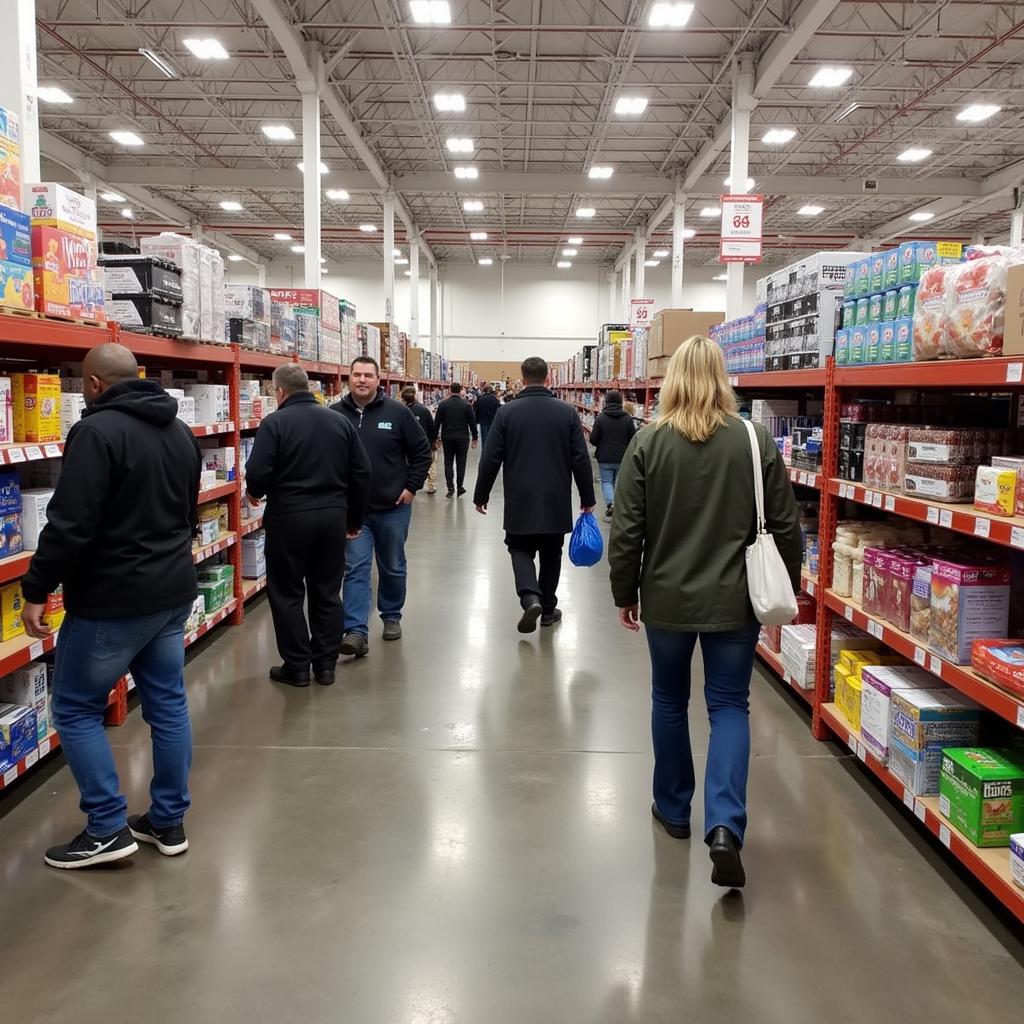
[
  {"x": 609, "y": 474},
  {"x": 92, "y": 655},
  {"x": 728, "y": 663},
  {"x": 386, "y": 532}
]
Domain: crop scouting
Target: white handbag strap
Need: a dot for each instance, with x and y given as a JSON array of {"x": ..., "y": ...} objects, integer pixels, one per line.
[{"x": 755, "y": 458}]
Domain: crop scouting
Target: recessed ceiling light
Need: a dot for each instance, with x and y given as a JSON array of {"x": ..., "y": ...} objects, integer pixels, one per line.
[
  {"x": 472, "y": 206},
  {"x": 978, "y": 112},
  {"x": 123, "y": 138},
  {"x": 652, "y": 263},
  {"x": 302, "y": 167},
  {"x": 401, "y": 261},
  {"x": 485, "y": 262},
  {"x": 669, "y": 15},
  {"x": 810, "y": 210},
  {"x": 206, "y": 49},
  {"x": 600, "y": 172},
  {"x": 778, "y": 136},
  {"x": 127, "y": 213},
  {"x": 914, "y": 155},
  {"x": 586, "y": 212},
  {"x": 830, "y": 77},
  {"x": 921, "y": 216},
  {"x": 158, "y": 62},
  {"x": 630, "y": 106},
  {"x": 368, "y": 229},
  {"x": 750, "y": 183},
  {"x": 459, "y": 145},
  {"x": 467, "y": 173},
  {"x": 282, "y": 236},
  {"x": 111, "y": 197},
  {"x": 450, "y": 102},
  {"x": 430, "y": 12},
  {"x": 478, "y": 236},
  {"x": 235, "y": 258},
  {"x": 298, "y": 248},
  {"x": 720, "y": 277},
  {"x": 711, "y": 211},
  {"x": 575, "y": 240},
  {"x": 53, "y": 94},
  {"x": 688, "y": 232},
  {"x": 563, "y": 264},
  {"x": 660, "y": 254},
  {"x": 231, "y": 205},
  {"x": 338, "y": 195},
  {"x": 569, "y": 252},
  {"x": 408, "y": 273},
  {"x": 278, "y": 132}
]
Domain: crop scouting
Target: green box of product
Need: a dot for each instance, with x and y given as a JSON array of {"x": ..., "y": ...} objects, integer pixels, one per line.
[
  {"x": 875, "y": 304},
  {"x": 842, "y": 346},
  {"x": 877, "y": 272},
  {"x": 905, "y": 340},
  {"x": 858, "y": 344},
  {"x": 981, "y": 793},
  {"x": 217, "y": 574},
  {"x": 863, "y": 305},
  {"x": 214, "y": 593},
  {"x": 887, "y": 342},
  {"x": 850, "y": 282},
  {"x": 873, "y": 343},
  {"x": 890, "y": 305},
  {"x": 863, "y": 283},
  {"x": 905, "y": 301},
  {"x": 892, "y": 268}
]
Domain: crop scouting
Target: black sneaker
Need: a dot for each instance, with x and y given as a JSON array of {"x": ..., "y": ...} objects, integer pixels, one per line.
[
  {"x": 169, "y": 841},
  {"x": 451, "y": 494},
  {"x": 462, "y": 491},
  {"x": 608, "y": 511},
  {"x": 86, "y": 851},
  {"x": 355, "y": 645},
  {"x": 550, "y": 620},
  {"x": 531, "y": 613}
]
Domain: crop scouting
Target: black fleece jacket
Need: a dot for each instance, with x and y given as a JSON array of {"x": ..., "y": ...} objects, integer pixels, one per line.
[
  {"x": 120, "y": 523},
  {"x": 394, "y": 440},
  {"x": 456, "y": 420},
  {"x": 426, "y": 420},
  {"x": 613, "y": 430}
]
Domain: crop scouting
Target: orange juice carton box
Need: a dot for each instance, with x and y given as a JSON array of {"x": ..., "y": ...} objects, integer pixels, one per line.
[
  {"x": 36, "y": 407},
  {"x": 10, "y": 160}
]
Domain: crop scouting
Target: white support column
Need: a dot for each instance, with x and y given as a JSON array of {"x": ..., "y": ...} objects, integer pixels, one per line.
[
  {"x": 613, "y": 287},
  {"x": 414, "y": 289},
  {"x": 627, "y": 291},
  {"x": 261, "y": 275},
  {"x": 442, "y": 340},
  {"x": 311, "y": 183},
  {"x": 1017, "y": 219},
  {"x": 640, "y": 271},
  {"x": 739, "y": 164},
  {"x": 433, "y": 308},
  {"x": 678, "y": 247},
  {"x": 18, "y": 79},
  {"x": 389, "y": 257}
]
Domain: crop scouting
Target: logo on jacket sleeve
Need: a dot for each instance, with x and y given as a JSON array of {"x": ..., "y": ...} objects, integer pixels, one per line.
[{"x": 384, "y": 426}]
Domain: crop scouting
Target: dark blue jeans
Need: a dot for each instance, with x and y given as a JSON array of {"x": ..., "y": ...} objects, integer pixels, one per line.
[
  {"x": 92, "y": 654},
  {"x": 385, "y": 533},
  {"x": 728, "y": 663}
]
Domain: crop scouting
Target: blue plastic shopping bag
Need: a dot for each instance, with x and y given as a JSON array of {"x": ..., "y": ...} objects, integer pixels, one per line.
[{"x": 586, "y": 546}]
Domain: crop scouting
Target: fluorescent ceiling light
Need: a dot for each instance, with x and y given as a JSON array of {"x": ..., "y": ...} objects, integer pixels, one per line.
[
  {"x": 235, "y": 258},
  {"x": 298, "y": 248},
  {"x": 339, "y": 195},
  {"x": 485, "y": 262},
  {"x": 450, "y": 102},
  {"x": 978, "y": 112},
  {"x": 472, "y": 206},
  {"x": 158, "y": 62},
  {"x": 844, "y": 114},
  {"x": 921, "y": 216},
  {"x": 575, "y": 240},
  {"x": 459, "y": 145},
  {"x": 830, "y": 77},
  {"x": 231, "y": 205},
  {"x": 478, "y": 236},
  {"x": 408, "y": 273},
  {"x": 127, "y": 213},
  {"x": 630, "y": 106},
  {"x": 111, "y": 197},
  {"x": 323, "y": 259},
  {"x": 302, "y": 167},
  {"x": 368, "y": 229},
  {"x": 396, "y": 252},
  {"x": 711, "y": 211},
  {"x": 53, "y": 94},
  {"x": 430, "y": 12},
  {"x": 206, "y": 49},
  {"x": 123, "y": 138},
  {"x": 600, "y": 172},
  {"x": 652, "y": 263},
  {"x": 778, "y": 136},
  {"x": 282, "y": 236},
  {"x": 586, "y": 212},
  {"x": 660, "y": 254},
  {"x": 750, "y": 183},
  {"x": 720, "y": 277},
  {"x": 569, "y": 252},
  {"x": 914, "y": 155},
  {"x": 467, "y": 173},
  {"x": 401, "y": 261},
  {"x": 810, "y": 210},
  {"x": 563, "y": 264},
  {"x": 669, "y": 15},
  {"x": 688, "y": 232},
  {"x": 278, "y": 132}
]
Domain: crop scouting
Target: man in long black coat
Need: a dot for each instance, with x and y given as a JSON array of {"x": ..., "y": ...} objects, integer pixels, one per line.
[{"x": 538, "y": 442}]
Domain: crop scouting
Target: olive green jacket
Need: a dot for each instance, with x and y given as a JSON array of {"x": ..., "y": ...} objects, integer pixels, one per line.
[{"x": 684, "y": 513}]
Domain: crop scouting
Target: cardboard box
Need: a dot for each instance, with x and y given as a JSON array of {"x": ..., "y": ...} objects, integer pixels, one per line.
[
  {"x": 880, "y": 682},
  {"x": 671, "y": 327},
  {"x": 36, "y": 407},
  {"x": 981, "y": 793},
  {"x": 72, "y": 405},
  {"x": 15, "y": 238},
  {"x": 11, "y": 603},
  {"x": 52, "y": 205},
  {"x": 26, "y": 688},
  {"x": 1017, "y": 859},
  {"x": 10, "y": 160},
  {"x": 18, "y": 734},
  {"x": 1013, "y": 331},
  {"x": 33, "y": 515}
]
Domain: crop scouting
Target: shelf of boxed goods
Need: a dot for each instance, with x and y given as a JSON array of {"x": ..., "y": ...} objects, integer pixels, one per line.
[
  {"x": 50, "y": 745},
  {"x": 16, "y": 454},
  {"x": 212, "y": 429},
  {"x": 201, "y": 552},
  {"x": 251, "y": 525},
  {"x": 987, "y": 374},
  {"x": 212, "y": 622},
  {"x": 216, "y": 493},
  {"x": 17, "y": 653},
  {"x": 774, "y": 662},
  {"x": 250, "y": 588},
  {"x": 14, "y": 566}
]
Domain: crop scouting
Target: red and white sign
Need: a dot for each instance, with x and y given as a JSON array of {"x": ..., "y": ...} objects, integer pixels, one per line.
[
  {"x": 742, "y": 218},
  {"x": 641, "y": 313}
]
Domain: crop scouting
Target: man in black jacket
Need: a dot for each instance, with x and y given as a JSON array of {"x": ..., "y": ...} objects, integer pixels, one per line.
[
  {"x": 613, "y": 430},
  {"x": 400, "y": 457},
  {"x": 486, "y": 408},
  {"x": 538, "y": 441},
  {"x": 456, "y": 424},
  {"x": 119, "y": 538},
  {"x": 315, "y": 474},
  {"x": 426, "y": 421}
]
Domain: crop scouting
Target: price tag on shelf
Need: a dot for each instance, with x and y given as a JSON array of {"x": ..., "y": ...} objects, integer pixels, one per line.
[
  {"x": 935, "y": 666},
  {"x": 862, "y": 752},
  {"x": 52, "y": 451},
  {"x": 191, "y": 638},
  {"x": 44, "y": 747},
  {"x": 30, "y": 759},
  {"x": 876, "y": 499},
  {"x": 890, "y": 503},
  {"x": 920, "y": 811},
  {"x": 868, "y": 495},
  {"x": 810, "y": 588},
  {"x": 1020, "y": 718},
  {"x": 734, "y": 381},
  {"x": 10, "y": 775},
  {"x": 848, "y": 612},
  {"x": 1014, "y": 373},
  {"x": 919, "y": 656},
  {"x": 229, "y": 426},
  {"x": 842, "y": 490},
  {"x": 944, "y": 834},
  {"x": 875, "y": 629},
  {"x": 981, "y": 527},
  {"x": 36, "y": 650},
  {"x": 853, "y": 742},
  {"x": 33, "y": 452},
  {"x": 803, "y": 478},
  {"x": 15, "y": 454},
  {"x": 946, "y": 518},
  {"x": 908, "y": 799},
  {"x": 933, "y": 515},
  {"x": 1017, "y": 537}
]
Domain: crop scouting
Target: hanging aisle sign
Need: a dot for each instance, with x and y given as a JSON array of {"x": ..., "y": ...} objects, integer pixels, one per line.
[
  {"x": 640, "y": 313},
  {"x": 741, "y": 229}
]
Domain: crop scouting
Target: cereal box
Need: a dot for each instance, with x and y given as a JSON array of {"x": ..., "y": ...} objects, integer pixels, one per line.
[
  {"x": 15, "y": 237},
  {"x": 26, "y": 687},
  {"x": 18, "y": 734},
  {"x": 981, "y": 793},
  {"x": 880, "y": 681},
  {"x": 66, "y": 278},
  {"x": 10, "y": 160},
  {"x": 969, "y": 602},
  {"x": 36, "y": 407},
  {"x": 10, "y": 612}
]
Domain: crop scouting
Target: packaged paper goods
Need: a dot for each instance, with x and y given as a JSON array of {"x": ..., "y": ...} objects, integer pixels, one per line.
[
  {"x": 36, "y": 407},
  {"x": 72, "y": 405},
  {"x": 184, "y": 253},
  {"x": 26, "y": 687},
  {"x": 18, "y": 734},
  {"x": 981, "y": 793},
  {"x": 880, "y": 682}
]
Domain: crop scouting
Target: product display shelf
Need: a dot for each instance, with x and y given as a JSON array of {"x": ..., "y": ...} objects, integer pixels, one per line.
[
  {"x": 993, "y": 374},
  {"x": 245, "y": 425},
  {"x": 212, "y": 622},
  {"x": 809, "y": 583},
  {"x": 778, "y": 379},
  {"x": 224, "y": 490},
  {"x": 14, "y": 454},
  {"x": 805, "y": 477},
  {"x": 774, "y": 661},
  {"x": 202, "y": 552},
  {"x": 210, "y": 429},
  {"x": 251, "y": 525},
  {"x": 991, "y": 866},
  {"x": 14, "y": 566},
  {"x": 48, "y": 746},
  {"x": 250, "y": 588},
  {"x": 17, "y": 653}
]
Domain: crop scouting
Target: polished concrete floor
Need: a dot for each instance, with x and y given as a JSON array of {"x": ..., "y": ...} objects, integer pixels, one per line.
[{"x": 458, "y": 832}]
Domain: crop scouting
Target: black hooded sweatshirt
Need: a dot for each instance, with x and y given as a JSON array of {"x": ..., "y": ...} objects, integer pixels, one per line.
[
  {"x": 613, "y": 430},
  {"x": 120, "y": 523}
]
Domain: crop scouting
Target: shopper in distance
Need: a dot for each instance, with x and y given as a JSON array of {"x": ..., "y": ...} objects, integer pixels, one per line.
[
  {"x": 486, "y": 408},
  {"x": 684, "y": 516},
  {"x": 400, "y": 457},
  {"x": 537, "y": 443},
  {"x": 119, "y": 538},
  {"x": 456, "y": 426},
  {"x": 314, "y": 472},
  {"x": 426, "y": 421},
  {"x": 613, "y": 430}
]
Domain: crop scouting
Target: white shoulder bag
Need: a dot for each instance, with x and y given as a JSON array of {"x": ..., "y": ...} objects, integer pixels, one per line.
[{"x": 771, "y": 592}]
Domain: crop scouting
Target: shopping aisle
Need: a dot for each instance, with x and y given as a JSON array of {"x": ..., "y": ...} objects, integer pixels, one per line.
[{"x": 459, "y": 831}]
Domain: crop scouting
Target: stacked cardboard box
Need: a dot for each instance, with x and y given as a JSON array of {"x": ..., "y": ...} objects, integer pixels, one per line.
[
  {"x": 247, "y": 312},
  {"x": 202, "y": 308},
  {"x": 669, "y": 329},
  {"x": 10, "y": 160},
  {"x": 317, "y": 322},
  {"x": 254, "y": 562}
]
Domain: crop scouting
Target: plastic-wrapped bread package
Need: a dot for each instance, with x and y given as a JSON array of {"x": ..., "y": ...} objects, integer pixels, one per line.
[
  {"x": 206, "y": 294},
  {"x": 930, "y": 315},
  {"x": 217, "y": 289},
  {"x": 183, "y": 252}
]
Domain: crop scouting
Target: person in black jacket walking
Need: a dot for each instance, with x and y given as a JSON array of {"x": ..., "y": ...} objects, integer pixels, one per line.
[
  {"x": 119, "y": 538},
  {"x": 486, "y": 408},
  {"x": 613, "y": 430},
  {"x": 426, "y": 421},
  {"x": 313, "y": 469},
  {"x": 456, "y": 424},
  {"x": 400, "y": 457},
  {"x": 538, "y": 443}
]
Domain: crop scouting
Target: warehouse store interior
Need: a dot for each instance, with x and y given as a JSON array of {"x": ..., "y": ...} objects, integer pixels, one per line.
[{"x": 456, "y": 824}]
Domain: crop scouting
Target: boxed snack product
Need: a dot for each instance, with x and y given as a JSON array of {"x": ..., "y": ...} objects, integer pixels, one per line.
[
  {"x": 995, "y": 490},
  {"x": 10, "y": 159},
  {"x": 954, "y": 484},
  {"x": 921, "y": 603},
  {"x": 957, "y": 446},
  {"x": 1001, "y": 662},
  {"x": 36, "y": 407},
  {"x": 880, "y": 682},
  {"x": 18, "y": 734},
  {"x": 54, "y": 614},
  {"x": 26, "y": 687},
  {"x": 15, "y": 238},
  {"x": 981, "y": 793},
  {"x": 1017, "y": 859},
  {"x": 969, "y": 602}
]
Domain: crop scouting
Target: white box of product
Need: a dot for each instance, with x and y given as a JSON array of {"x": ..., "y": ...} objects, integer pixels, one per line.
[
  {"x": 206, "y": 296},
  {"x": 217, "y": 289},
  {"x": 54, "y": 204},
  {"x": 27, "y": 688},
  {"x": 209, "y": 530},
  {"x": 212, "y": 403},
  {"x": 207, "y": 479},
  {"x": 33, "y": 516},
  {"x": 184, "y": 252},
  {"x": 879, "y": 681},
  {"x": 6, "y": 412},
  {"x": 187, "y": 410},
  {"x": 72, "y": 405},
  {"x": 1017, "y": 859}
]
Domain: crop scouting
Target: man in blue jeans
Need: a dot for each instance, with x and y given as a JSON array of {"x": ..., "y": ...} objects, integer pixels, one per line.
[
  {"x": 400, "y": 457},
  {"x": 119, "y": 537}
]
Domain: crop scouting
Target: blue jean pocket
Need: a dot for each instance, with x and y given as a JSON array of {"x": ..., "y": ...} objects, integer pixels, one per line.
[{"x": 114, "y": 635}]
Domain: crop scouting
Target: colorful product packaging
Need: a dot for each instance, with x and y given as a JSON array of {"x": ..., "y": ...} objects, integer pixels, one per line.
[
  {"x": 11, "y": 603},
  {"x": 863, "y": 307},
  {"x": 26, "y": 687},
  {"x": 890, "y": 305},
  {"x": 858, "y": 345},
  {"x": 875, "y": 306},
  {"x": 887, "y": 342},
  {"x": 969, "y": 602},
  {"x": 872, "y": 351},
  {"x": 863, "y": 286},
  {"x": 36, "y": 407},
  {"x": 981, "y": 793},
  {"x": 880, "y": 682},
  {"x": 1001, "y": 662},
  {"x": 904, "y": 340},
  {"x": 18, "y": 734},
  {"x": 905, "y": 298},
  {"x": 842, "y": 346},
  {"x": 995, "y": 490},
  {"x": 892, "y": 268},
  {"x": 915, "y": 259},
  {"x": 1017, "y": 859},
  {"x": 877, "y": 272},
  {"x": 10, "y": 159}
]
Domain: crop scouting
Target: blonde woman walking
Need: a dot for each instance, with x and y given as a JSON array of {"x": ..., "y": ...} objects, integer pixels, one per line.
[{"x": 684, "y": 513}]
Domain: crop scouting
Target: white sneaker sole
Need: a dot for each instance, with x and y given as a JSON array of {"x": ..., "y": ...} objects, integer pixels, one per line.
[
  {"x": 167, "y": 851},
  {"x": 100, "y": 858}
]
